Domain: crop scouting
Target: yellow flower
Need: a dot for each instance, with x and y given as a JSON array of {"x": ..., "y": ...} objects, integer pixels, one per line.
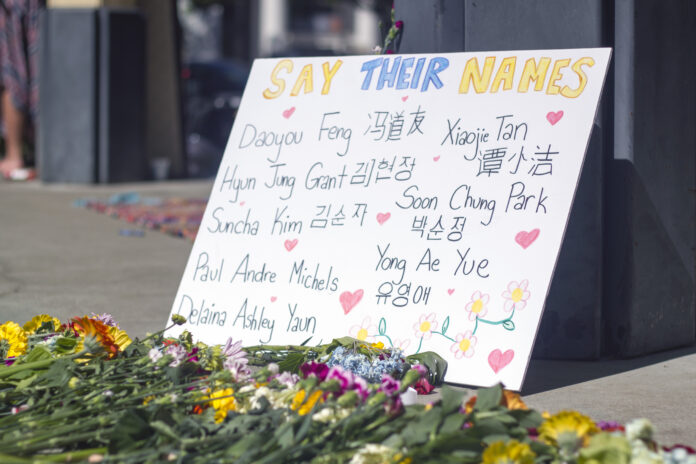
[
  {"x": 567, "y": 427},
  {"x": 223, "y": 402},
  {"x": 303, "y": 407},
  {"x": 35, "y": 323},
  {"x": 120, "y": 337},
  {"x": 378, "y": 345},
  {"x": 298, "y": 399},
  {"x": 512, "y": 452},
  {"x": 13, "y": 340},
  {"x": 147, "y": 399}
]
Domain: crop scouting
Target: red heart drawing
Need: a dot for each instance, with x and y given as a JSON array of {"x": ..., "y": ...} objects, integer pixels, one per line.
[
  {"x": 497, "y": 360},
  {"x": 241, "y": 203},
  {"x": 450, "y": 291},
  {"x": 290, "y": 244},
  {"x": 287, "y": 113},
  {"x": 524, "y": 239},
  {"x": 383, "y": 217},
  {"x": 273, "y": 299},
  {"x": 436, "y": 158},
  {"x": 553, "y": 118},
  {"x": 349, "y": 300},
  {"x": 403, "y": 99}
]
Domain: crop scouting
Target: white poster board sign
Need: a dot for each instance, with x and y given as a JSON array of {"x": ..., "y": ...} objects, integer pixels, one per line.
[{"x": 416, "y": 200}]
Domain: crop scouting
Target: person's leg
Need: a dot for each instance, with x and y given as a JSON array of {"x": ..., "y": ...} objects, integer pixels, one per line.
[{"x": 14, "y": 126}]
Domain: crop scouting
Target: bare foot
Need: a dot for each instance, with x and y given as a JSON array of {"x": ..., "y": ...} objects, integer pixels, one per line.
[{"x": 10, "y": 164}]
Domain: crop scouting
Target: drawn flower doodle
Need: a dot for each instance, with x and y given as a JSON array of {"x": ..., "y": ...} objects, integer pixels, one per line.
[
  {"x": 425, "y": 326},
  {"x": 364, "y": 330},
  {"x": 464, "y": 345},
  {"x": 402, "y": 344},
  {"x": 516, "y": 295},
  {"x": 477, "y": 307}
]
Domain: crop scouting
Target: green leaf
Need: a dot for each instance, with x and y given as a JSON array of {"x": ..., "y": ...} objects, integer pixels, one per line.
[
  {"x": 492, "y": 438},
  {"x": 490, "y": 426},
  {"x": 445, "y": 325},
  {"x": 39, "y": 353},
  {"x": 130, "y": 431},
  {"x": 451, "y": 399},
  {"x": 527, "y": 418},
  {"x": 452, "y": 423},
  {"x": 488, "y": 398},
  {"x": 437, "y": 366},
  {"x": 382, "y": 326},
  {"x": 292, "y": 362},
  {"x": 165, "y": 430},
  {"x": 508, "y": 325},
  {"x": 607, "y": 449}
]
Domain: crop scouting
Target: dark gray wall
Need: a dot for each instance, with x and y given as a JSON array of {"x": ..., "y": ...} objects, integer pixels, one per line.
[
  {"x": 67, "y": 126},
  {"x": 91, "y": 103},
  {"x": 651, "y": 183}
]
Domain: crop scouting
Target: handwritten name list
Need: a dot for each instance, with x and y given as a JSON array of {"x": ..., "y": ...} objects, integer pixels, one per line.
[{"x": 418, "y": 200}]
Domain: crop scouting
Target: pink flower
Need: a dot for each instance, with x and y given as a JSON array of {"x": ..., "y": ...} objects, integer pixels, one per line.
[
  {"x": 364, "y": 331},
  {"x": 516, "y": 295},
  {"x": 464, "y": 345},
  {"x": 399, "y": 24},
  {"x": 425, "y": 326},
  {"x": 477, "y": 306},
  {"x": 390, "y": 386},
  {"x": 316, "y": 369},
  {"x": 344, "y": 377}
]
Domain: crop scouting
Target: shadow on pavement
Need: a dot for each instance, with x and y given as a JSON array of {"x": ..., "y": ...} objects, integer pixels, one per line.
[{"x": 544, "y": 375}]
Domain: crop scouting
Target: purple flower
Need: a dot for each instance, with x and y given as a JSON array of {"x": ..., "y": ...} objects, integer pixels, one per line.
[
  {"x": 421, "y": 369},
  {"x": 609, "y": 426},
  {"x": 399, "y": 24},
  {"x": 318, "y": 370},
  {"x": 390, "y": 386},
  {"x": 106, "y": 318},
  {"x": 344, "y": 377},
  {"x": 389, "y": 52},
  {"x": 286, "y": 378},
  {"x": 193, "y": 355},
  {"x": 236, "y": 359},
  {"x": 361, "y": 388},
  {"x": 178, "y": 352}
]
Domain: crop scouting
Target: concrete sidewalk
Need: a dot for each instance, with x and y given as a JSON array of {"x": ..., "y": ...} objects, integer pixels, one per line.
[{"x": 66, "y": 261}]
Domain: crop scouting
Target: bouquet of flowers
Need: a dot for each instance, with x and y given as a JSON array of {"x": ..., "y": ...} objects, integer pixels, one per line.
[{"x": 83, "y": 391}]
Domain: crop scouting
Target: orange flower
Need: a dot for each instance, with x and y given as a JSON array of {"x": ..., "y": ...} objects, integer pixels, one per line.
[
  {"x": 512, "y": 400},
  {"x": 87, "y": 327}
]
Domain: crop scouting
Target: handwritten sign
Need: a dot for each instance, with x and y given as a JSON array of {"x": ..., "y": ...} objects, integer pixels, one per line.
[{"x": 414, "y": 200}]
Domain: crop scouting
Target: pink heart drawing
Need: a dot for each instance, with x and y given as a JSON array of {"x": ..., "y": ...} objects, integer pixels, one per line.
[
  {"x": 273, "y": 299},
  {"x": 241, "y": 203},
  {"x": 436, "y": 158},
  {"x": 450, "y": 291},
  {"x": 349, "y": 300},
  {"x": 524, "y": 239},
  {"x": 383, "y": 217},
  {"x": 290, "y": 244},
  {"x": 553, "y": 118},
  {"x": 403, "y": 99},
  {"x": 497, "y": 360},
  {"x": 287, "y": 113}
]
